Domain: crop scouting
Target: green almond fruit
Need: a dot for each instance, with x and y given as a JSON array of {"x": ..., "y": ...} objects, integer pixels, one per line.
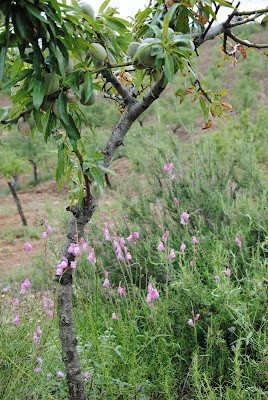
[
  {"x": 68, "y": 66},
  {"x": 92, "y": 100},
  {"x": 46, "y": 104},
  {"x": 98, "y": 52},
  {"x": 96, "y": 190},
  {"x": 88, "y": 9},
  {"x": 145, "y": 57},
  {"x": 23, "y": 127},
  {"x": 156, "y": 75},
  {"x": 51, "y": 86},
  {"x": 56, "y": 110},
  {"x": 71, "y": 96},
  {"x": 132, "y": 48},
  {"x": 31, "y": 121}
]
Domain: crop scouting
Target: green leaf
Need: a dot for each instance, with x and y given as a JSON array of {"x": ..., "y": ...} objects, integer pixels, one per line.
[
  {"x": 16, "y": 67},
  {"x": 37, "y": 118},
  {"x": 80, "y": 197},
  {"x": 61, "y": 164},
  {"x": 50, "y": 121},
  {"x": 62, "y": 102},
  {"x": 34, "y": 11},
  {"x": 38, "y": 93},
  {"x": 88, "y": 86},
  {"x": 71, "y": 130},
  {"x": 103, "y": 6},
  {"x": 168, "y": 18},
  {"x": 169, "y": 67},
  {"x": 2, "y": 62},
  {"x": 4, "y": 112},
  {"x": 202, "y": 103},
  {"x": 98, "y": 177},
  {"x": 19, "y": 77}
]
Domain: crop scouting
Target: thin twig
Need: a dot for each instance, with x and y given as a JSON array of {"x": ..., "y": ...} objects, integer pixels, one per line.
[{"x": 246, "y": 42}]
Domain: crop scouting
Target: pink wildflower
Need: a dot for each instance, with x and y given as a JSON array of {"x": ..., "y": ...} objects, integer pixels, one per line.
[
  {"x": 106, "y": 283},
  {"x": 16, "y": 320},
  {"x": 107, "y": 234},
  {"x": 160, "y": 227},
  {"x": 194, "y": 240},
  {"x": 130, "y": 238},
  {"x": 165, "y": 236},
  {"x": 114, "y": 316},
  {"x": 25, "y": 285},
  {"x": 60, "y": 374},
  {"x": 173, "y": 177},
  {"x": 228, "y": 271},
  {"x": 153, "y": 293},
  {"x": 217, "y": 277},
  {"x": 84, "y": 246},
  {"x": 91, "y": 256},
  {"x": 50, "y": 314},
  {"x": 75, "y": 249},
  {"x": 128, "y": 256},
  {"x": 37, "y": 370},
  {"x": 136, "y": 235},
  {"x": 86, "y": 375},
  {"x": 239, "y": 244},
  {"x": 46, "y": 222},
  {"x": 197, "y": 317},
  {"x": 44, "y": 235},
  {"x": 106, "y": 273},
  {"x": 17, "y": 302},
  {"x": 161, "y": 247},
  {"x": 172, "y": 254},
  {"x": 183, "y": 247},
  {"x": 183, "y": 222},
  {"x": 121, "y": 291},
  {"x": 28, "y": 246},
  {"x": 191, "y": 322},
  {"x": 49, "y": 229},
  {"x": 73, "y": 264},
  {"x": 39, "y": 360},
  {"x": 176, "y": 200},
  {"x": 185, "y": 216}
]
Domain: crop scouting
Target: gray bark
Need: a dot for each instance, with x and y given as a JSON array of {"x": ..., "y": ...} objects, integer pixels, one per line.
[
  {"x": 13, "y": 187},
  {"x": 75, "y": 379}
]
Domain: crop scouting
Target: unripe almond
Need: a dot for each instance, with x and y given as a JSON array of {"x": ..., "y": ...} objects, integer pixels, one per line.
[
  {"x": 56, "y": 110},
  {"x": 96, "y": 190},
  {"x": 132, "y": 48},
  {"x": 51, "y": 87},
  {"x": 88, "y": 9},
  {"x": 23, "y": 127},
  {"x": 71, "y": 96},
  {"x": 30, "y": 119},
  {"x": 98, "y": 52},
  {"x": 68, "y": 66},
  {"x": 46, "y": 104},
  {"x": 92, "y": 100}
]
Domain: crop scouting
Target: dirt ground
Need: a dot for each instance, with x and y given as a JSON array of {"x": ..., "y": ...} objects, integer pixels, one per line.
[{"x": 33, "y": 200}]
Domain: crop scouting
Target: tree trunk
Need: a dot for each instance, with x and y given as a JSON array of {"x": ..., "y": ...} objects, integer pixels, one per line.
[
  {"x": 13, "y": 187},
  {"x": 35, "y": 171},
  {"x": 74, "y": 377}
]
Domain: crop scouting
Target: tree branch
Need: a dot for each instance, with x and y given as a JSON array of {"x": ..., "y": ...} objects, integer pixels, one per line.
[
  {"x": 110, "y": 77},
  {"x": 246, "y": 42}
]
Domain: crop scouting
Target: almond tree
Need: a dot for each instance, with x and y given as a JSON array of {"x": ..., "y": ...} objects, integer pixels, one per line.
[{"x": 62, "y": 55}]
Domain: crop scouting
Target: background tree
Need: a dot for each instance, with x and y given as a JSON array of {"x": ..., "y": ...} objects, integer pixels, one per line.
[{"x": 43, "y": 40}]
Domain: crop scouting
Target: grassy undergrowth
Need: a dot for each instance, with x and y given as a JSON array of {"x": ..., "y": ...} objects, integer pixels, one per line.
[{"x": 205, "y": 336}]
